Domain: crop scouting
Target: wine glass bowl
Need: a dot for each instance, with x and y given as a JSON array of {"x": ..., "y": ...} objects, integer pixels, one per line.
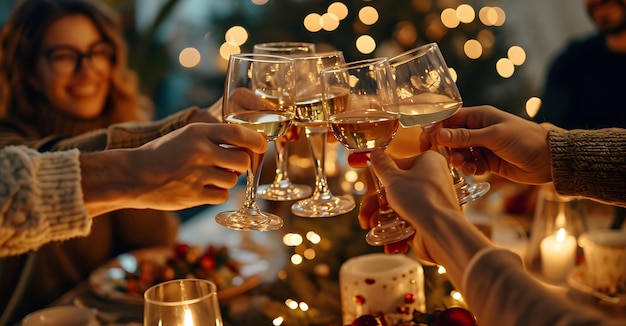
[
  {"x": 362, "y": 110},
  {"x": 310, "y": 114},
  {"x": 281, "y": 188},
  {"x": 427, "y": 94},
  {"x": 260, "y": 95}
]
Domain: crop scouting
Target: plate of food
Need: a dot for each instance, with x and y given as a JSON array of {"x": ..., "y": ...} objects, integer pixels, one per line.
[
  {"x": 578, "y": 280},
  {"x": 127, "y": 276}
]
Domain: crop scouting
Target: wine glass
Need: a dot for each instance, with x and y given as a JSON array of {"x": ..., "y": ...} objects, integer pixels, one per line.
[
  {"x": 260, "y": 95},
  {"x": 362, "y": 110},
  {"x": 282, "y": 189},
  {"x": 182, "y": 302},
  {"x": 310, "y": 115},
  {"x": 427, "y": 94}
]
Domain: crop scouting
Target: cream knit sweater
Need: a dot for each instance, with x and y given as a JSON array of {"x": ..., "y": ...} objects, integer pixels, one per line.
[{"x": 40, "y": 199}]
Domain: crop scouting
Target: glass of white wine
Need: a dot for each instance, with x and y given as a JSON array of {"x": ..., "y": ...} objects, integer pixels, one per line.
[
  {"x": 366, "y": 118},
  {"x": 260, "y": 94},
  {"x": 311, "y": 116},
  {"x": 281, "y": 188},
  {"x": 427, "y": 94}
]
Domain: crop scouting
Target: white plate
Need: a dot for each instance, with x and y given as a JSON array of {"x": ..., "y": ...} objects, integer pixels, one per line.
[
  {"x": 104, "y": 280},
  {"x": 576, "y": 279}
]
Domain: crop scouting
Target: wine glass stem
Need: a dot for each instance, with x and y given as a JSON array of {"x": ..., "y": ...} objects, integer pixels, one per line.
[
  {"x": 316, "y": 136},
  {"x": 457, "y": 179},
  {"x": 385, "y": 213},
  {"x": 281, "y": 144},
  {"x": 252, "y": 182}
]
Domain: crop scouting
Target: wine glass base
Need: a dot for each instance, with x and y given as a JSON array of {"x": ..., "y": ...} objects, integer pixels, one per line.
[
  {"x": 471, "y": 191},
  {"x": 323, "y": 207},
  {"x": 284, "y": 191},
  {"x": 243, "y": 221},
  {"x": 382, "y": 235}
]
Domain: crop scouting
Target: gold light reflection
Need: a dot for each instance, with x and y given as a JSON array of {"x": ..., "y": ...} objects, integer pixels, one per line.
[
  {"x": 339, "y": 9},
  {"x": 236, "y": 35},
  {"x": 453, "y": 74},
  {"x": 473, "y": 49},
  {"x": 465, "y": 13},
  {"x": 456, "y": 295},
  {"x": 501, "y": 16},
  {"x": 517, "y": 55},
  {"x": 532, "y": 106},
  {"x": 278, "y": 321},
  {"x": 227, "y": 49},
  {"x": 313, "y": 22},
  {"x": 296, "y": 259},
  {"x": 303, "y": 306},
  {"x": 449, "y": 18},
  {"x": 292, "y": 239},
  {"x": 313, "y": 237},
  {"x": 329, "y": 21},
  {"x": 189, "y": 57},
  {"x": 441, "y": 270},
  {"x": 405, "y": 33},
  {"x": 309, "y": 254},
  {"x": 365, "y": 44},
  {"x": 505, "y": 68},
  {"x": 488, "y": 16},
  {"x": 368, "y": 15},
  {"x": 292, "y": 304},
  {"x": 259, "y": 2}
]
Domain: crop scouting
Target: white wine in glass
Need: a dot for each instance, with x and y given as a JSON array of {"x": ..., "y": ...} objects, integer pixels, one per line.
[
  {"x": 281, "y": 188},
  {"x": 310, "y": 115},
  {"x": 427, "y": 94},
  {"x": 367, "y": 119},
  {"x": 260, "y": 95}
]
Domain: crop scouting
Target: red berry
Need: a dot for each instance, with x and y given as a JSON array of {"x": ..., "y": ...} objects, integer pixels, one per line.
[
  {"x": 455, "y": 316},
  {"x": 366, "y": 320},
  {"x": 207, "y": 262},
  {"x": 181, "y": 249}
]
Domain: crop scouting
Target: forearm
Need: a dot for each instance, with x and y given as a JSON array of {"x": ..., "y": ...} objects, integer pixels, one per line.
[{"x": 590, "y": 163}]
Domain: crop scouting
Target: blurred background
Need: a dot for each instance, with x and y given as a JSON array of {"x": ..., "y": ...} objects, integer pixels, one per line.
[{"x": 499, "y": 50}]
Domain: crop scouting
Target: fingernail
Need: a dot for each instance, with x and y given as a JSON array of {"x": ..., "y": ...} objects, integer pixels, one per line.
[{"x": 445, "y": 135}]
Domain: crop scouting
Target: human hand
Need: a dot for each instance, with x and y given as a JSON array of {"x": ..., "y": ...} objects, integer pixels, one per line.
[
  {"x": 188, "y": 167},
  {"x": 485, "y": 139}
]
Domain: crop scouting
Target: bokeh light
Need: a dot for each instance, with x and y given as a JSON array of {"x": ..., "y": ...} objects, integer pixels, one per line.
[
  {"x": 517, "y": 55},
  {"x": 227, "y": 49},
  {"x": 365, "y": 44},
  {"x": 505, "y": 68},
  {"x": 449, "y": 18},
  {"x": 259, "y": 2},
  {"x": 532, "y": 106},
  {"x": 329, "y": 21},
  {"x": 368, "y": 15},
  {"x": 339, "y": 9},
  {"x": 189, "y": 57},
  {"x": 313, "y": 22},
  {"x": 465, "y": 13},
  {"x": 236, "y": 35},
  {"x": 473, "y": 49}
]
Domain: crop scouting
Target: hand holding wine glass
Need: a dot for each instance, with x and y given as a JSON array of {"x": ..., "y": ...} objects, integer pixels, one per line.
[
  {"x": 260, "y": 95},
  {"x": 362, "y": 109}
]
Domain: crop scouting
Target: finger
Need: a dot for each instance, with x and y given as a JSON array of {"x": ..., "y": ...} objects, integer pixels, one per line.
[
  {"x": 213, "y": 196},
  {"x": 234, "y": 159},
  {"x": 465, "y": 138},
  {"x": 382, "y": 164},
  {"x": 238, "y": 136},
  {"x": 220, "y": 178},
  {"x": 368, "y": 211}
]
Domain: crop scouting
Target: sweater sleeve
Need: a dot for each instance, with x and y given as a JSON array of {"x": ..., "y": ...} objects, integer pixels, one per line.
[
  {"x": 41, "y": 199},
  {"x": 590, "y": 163},
  {"x": 499, "y": 291}
]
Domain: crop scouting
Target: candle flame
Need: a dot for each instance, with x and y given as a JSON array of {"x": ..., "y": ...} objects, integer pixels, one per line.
[
  {"x": 188, "y": 319},
  {"x": 560, "y": 235}
]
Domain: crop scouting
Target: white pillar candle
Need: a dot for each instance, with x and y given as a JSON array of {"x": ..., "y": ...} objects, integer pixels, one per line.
[{"x": 558, "y": 255}]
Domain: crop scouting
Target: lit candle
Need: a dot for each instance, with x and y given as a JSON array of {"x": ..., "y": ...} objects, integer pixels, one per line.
[{"x": 558, "y": 255}]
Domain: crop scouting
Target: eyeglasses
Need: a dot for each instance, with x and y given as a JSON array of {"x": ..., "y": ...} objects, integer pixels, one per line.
[{"x": 65, "y": 59}]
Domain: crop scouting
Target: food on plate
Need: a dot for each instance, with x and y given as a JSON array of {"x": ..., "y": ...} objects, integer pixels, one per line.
[{"x": 212, "y": 263}]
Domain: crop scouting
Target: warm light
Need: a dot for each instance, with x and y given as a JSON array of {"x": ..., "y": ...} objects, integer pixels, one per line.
[
  {"x": 453, "y": 74},
  {"x": 339, "y": 9},
  {"x": 501, "y": 16},
  {"x": 313, "y": 22},
  {"x": 259, "y": 2},
  {"x": 473, "y": 49},
  {"x": 329, "y": 21},
  {"x": 278, "y": 321},
  {"x": 359, "y": 186},
  {"x": 303, "y": 306},
  {"x": 488, "y": 16},
  {"x": 532, "y": 106},
  {"x": 296, "y": 259},
  {"x": 486, "y": 38},
  {"x": 368, "y": 15},
  {"x": 405, "y": 33},
  {"x": 292, "y": 239},
  {"x": 309, "y": 254},
  {"x": 351, "y": 176},
  {"x": 365, "y": 44},
  {"x": 505, "y": 68},
  {"x": 560, "y": 235},
  {"x": 282, "y": 275},
  {"x": 236, "y": 35},
  {"x": 456, "y": 295},
  {"x": 189, "y": 57},
  {"x": 465, "y": 13},
  {"x": 227, "y": 49},
  {"x": 441, "y": 270},
  {"x": 313, "y": 237},
  {"x": 449, "y": 18},
  {"x": 292, "y": 304},
  {"x": 188, "y": 318},
  {"x": 517, "y": 55}
]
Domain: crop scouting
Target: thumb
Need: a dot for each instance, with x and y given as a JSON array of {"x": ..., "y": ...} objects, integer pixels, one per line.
[
  {"x": 383, "y": 165},
  {"x": 464, "y": 138}
]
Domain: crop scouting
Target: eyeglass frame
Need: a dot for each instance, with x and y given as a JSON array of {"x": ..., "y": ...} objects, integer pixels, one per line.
[{"x": 80, "y": 55}]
